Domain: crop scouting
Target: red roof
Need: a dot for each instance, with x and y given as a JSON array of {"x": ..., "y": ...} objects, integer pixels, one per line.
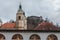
[
  {"x": 46, "y": 26},
  {"x": 41, "y": 26},
  {"x": 8, "y": 25}
]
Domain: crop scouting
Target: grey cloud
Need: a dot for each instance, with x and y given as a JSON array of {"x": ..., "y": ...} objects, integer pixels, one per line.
[{"x": 45, "y": 8}]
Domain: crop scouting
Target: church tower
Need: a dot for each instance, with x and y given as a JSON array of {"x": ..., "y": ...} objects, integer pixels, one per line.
[{"x": 21, "y": 21}]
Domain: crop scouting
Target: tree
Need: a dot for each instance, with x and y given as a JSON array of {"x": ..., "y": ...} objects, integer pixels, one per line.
[
  {"x": 46, "y": 20},
  {"x": 11, "y": 21}
]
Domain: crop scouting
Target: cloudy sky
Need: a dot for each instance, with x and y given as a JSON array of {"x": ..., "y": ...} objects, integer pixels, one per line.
[{"x": 47, "y": 8}]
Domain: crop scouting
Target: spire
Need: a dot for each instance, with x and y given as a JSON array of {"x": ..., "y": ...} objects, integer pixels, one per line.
[
  {"x": 20, "y": 10},
  {"x": 20, "y": 7}
]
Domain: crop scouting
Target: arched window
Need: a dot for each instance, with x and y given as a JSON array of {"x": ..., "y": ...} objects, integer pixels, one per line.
[
  {"x": 19, "y": 17},
  {"x": 34, "y": 37},
  {"x": 52, "y": 37},
  {"x": 17, "y": 37},
  {"x": 2, "y": 37}
]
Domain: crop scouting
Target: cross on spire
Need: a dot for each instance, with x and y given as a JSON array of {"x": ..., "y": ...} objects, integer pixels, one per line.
[{"x": 20, "y": 6}]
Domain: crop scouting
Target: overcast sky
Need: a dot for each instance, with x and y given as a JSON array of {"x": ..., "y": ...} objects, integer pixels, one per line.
[{"x": 47, "y": 8}]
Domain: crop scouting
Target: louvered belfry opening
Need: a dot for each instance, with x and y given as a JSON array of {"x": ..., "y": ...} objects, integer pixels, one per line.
[
  {"x": 35, "y": 37},
  {"x": 17, "y": 37},
  {"x": 52, "y": 37}
]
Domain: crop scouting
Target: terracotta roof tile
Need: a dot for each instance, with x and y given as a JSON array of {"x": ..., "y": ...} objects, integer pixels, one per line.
[
  {"x": 46, "y": 26},
  {"x": 8, "y": 25}
]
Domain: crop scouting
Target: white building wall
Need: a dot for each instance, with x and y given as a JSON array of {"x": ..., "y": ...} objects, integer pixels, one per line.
[{"x": 26, "y": 35}]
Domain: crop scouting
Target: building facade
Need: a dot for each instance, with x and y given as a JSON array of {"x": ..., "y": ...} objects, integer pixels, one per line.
[
  {"x": 18, "y": 30},
  {"x": 26, "y": 35}
]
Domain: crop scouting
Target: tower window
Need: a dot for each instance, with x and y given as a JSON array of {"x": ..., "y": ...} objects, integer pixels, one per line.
[{"x": 19, "y": 17}]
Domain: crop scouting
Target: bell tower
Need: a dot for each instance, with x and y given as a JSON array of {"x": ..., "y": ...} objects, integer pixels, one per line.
[{"x": 21, "y": 21}]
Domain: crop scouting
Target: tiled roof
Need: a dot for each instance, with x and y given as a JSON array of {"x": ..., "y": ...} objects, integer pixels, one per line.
[
  {"x": 8, "y": 25},
  {"x": 41, "y": 26},
  {"x": 46, "y": 26}
]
